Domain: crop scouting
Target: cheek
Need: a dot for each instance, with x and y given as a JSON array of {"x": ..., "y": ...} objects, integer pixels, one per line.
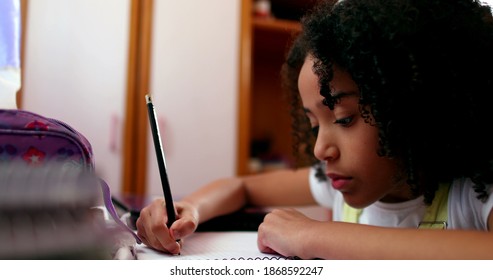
[
  {"x": 365, "y": 141},
  {"x": 363, "y": 147},
  {"x": 380, "y": 172}
]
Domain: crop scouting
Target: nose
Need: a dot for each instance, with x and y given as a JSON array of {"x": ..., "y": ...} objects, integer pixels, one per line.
[{"x": 325, "y": 147}]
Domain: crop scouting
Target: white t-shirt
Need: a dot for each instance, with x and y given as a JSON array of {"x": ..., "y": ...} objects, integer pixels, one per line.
[{"x": 465, "y": 211}]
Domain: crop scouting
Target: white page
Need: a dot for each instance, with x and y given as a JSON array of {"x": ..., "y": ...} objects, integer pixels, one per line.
[{"x": 236, "y": 245}]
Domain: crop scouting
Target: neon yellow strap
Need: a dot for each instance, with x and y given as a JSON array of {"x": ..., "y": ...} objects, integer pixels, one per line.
[
  {"x": 436, "y": 214},
  {"x": 350, "y": 214},
  {"x": 435, "y": 217}
]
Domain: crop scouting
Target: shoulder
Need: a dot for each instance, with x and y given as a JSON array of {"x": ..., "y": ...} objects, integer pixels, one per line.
[{"x": 466, "y": 211}]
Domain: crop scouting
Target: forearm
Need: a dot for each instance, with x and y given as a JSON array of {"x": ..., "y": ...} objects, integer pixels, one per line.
[
  {"x": 352, "y": 241},
  {"x": 220, "y": 197},
  {"x": 283, "y": 187}
]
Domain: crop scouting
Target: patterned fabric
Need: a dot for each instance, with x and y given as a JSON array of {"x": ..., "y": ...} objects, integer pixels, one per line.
[{"x": 36, "y": 140}]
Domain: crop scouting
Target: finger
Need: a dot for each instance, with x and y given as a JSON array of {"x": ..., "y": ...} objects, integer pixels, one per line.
[
  {"x": 261, "y": 240},
  {"x": 143, "y": 238},
  {"x": 267, "y": 250},
  {"x": 183, "y": 227},
  {"x": 263, "y": 247},
  {"x": 141, "y": 227},
  {"x": 186, "y": 223},
  {"x": 151, "y": 225},
  {"x": 158, "y": 229}
]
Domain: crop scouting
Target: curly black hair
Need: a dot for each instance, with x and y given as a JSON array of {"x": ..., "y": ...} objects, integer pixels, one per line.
[
  {"x": 300, "y": 126},
  {"x": 424, "y": 69},
  {"x": 301, "y": 132}
]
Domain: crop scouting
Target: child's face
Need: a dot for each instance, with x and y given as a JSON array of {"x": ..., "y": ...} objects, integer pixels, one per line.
[{"x": 348, "y": 145}]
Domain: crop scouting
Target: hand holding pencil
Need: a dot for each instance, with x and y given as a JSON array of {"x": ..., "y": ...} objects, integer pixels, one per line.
[
  {"x": 152, "y": 217},
  {"x": 161, "y": 160},
  {"x": 154, "y": 232}
]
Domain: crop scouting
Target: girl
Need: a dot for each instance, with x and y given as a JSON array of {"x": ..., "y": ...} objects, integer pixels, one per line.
[
  {"x": 227, "y": 195},
  {"x": 400, "y": 106}
]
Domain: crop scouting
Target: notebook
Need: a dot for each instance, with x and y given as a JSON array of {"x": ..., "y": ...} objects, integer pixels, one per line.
[{"x": 234, "y": 245}]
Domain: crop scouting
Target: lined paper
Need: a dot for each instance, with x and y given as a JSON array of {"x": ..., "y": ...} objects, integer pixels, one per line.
[{"x": 236, "y": 245}]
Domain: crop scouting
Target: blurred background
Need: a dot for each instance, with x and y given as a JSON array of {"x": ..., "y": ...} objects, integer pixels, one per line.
[{"x": 212, "y": 68}]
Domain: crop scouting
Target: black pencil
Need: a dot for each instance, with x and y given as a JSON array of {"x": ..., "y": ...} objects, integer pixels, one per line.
[{"x": 161, "y": 161}]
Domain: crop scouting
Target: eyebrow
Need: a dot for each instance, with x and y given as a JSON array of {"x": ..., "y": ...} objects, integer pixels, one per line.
[
  {"x": 338, "y": 95},
  {"x": 307, "y": 112},
  {"x": 342, "y": 94}
]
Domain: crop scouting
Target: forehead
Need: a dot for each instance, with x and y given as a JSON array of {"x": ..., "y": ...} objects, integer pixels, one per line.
[{"x": 307, "y": 80}]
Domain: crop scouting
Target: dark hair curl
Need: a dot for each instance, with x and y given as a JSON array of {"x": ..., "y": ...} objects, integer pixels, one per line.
[
  {"x": 424, "y": 69},
  {"x": 303, "y": 138}
]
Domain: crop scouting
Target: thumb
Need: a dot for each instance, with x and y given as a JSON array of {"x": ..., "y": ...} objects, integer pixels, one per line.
[{"x": 183, "y": 227}]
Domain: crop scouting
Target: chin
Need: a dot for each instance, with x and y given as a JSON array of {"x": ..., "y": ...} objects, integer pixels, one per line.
[{"x": 355, "y": 202}]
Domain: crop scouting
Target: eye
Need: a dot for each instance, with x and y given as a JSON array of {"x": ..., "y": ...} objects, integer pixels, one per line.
[
  {"x": 344, "y": 121},
  {"x": 315, "y": 130}
]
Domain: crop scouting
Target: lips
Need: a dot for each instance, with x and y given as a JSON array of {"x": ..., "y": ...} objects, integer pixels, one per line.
[{"x": 339, "y": 181}]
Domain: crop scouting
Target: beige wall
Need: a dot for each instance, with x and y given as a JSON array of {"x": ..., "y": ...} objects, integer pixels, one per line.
[
  {"x": 75, "y": 70},
  {"x": 194, "y": 76}
]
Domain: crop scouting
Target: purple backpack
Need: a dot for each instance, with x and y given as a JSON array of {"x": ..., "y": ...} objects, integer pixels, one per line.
[{"x": 35, "y": 140}]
